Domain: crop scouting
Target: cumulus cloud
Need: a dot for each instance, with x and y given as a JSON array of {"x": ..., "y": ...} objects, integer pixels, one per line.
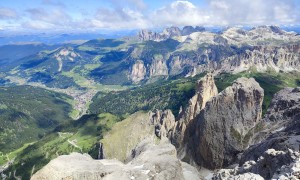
[
  {"x": 179, "y": 13},
  {"x": 253, "y": 12},
  {"x": 228, "y": 12},
  {"x": 7, "y": 13},
  {"x": 119, "y": 19},
  {"x": 41, "y": 18},
  {"x": 136, "y": 14},
  {"x": 53, "y": 16}
]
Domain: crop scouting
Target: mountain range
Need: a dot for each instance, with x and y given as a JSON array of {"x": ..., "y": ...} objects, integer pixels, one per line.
[{"x": 184, "y": 103}]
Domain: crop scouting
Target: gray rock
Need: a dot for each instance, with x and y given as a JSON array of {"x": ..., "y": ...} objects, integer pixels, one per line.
[
  {"x": 223, "y": 127},
  {"x": 163, "y": 121},
  {"x": 271, "y": 165},
  {"x": 205, "y": 90},
  {"x": 187, "y": 30},
  {"x": 151, "y": 161},
  {"x": 285, "y": 105}
]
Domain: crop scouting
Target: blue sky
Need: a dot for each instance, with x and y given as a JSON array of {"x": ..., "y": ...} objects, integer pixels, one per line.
[{"x": 94, "y": 15}]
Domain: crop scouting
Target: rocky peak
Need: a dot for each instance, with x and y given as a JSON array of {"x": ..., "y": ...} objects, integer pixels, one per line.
[
  {"x": 187, "y": 30},
  {"x": 171, "y": 32},
  {"x": 268, "y": 29},
  {"x": 163, "y": 121},
  {"x": 146, "y": 35},
  {"x": 222, "y": 128},
  {"x": 151, "y": 161},
  {"x": 205, "y": 90}
]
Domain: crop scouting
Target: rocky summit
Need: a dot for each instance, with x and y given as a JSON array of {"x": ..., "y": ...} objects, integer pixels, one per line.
[{"x": 222, "y": 129}]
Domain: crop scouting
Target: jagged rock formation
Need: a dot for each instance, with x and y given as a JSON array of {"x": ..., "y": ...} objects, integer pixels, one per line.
[
  {"x": 222, "y": 128},
  {"x": 167, "y": 33},
  {"x": 158, "y": 66},
  {"x": 271, "y": 165},
  {"x": 187, "y": 30},
  {"x": 205, "y": 90},
  {"x": 163, "y": 121},
  {"x": 281, "y": 128},
  {"x": 276, "y": 155},
  {"x": 146, "y": 35}
]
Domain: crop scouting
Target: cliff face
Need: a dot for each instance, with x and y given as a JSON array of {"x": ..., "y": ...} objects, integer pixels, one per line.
[
  {"x": 285, "y": 58},
  {"x": 276, "y": 153},
  {"x": 233, "y": 51},
  {"x": 205, "y": 90},
  {"x": 138, "y": 72},
  {"x": 220, "y": 131}
]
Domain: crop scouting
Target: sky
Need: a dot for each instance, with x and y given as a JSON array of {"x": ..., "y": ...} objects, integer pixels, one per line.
[{"x": 95, "y": 15}]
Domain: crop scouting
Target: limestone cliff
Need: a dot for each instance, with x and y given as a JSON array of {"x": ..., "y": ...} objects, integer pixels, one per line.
[
  {"x": 205, "y": 90},
  {"x": 276, "y": 153},
  {"x": 235, "y": 50},
  {"x": 220, "y": 131},
  {"x": 281, "y": 126},
  {"x": 138, "y": 72}
]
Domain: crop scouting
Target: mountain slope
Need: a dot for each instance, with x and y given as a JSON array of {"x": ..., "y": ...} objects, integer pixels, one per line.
[{"x": 26, "y": 113}]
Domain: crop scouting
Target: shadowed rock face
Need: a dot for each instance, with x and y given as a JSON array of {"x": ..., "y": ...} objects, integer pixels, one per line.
[
  {"x": 219, "y": 132},
  {"x": 282, "y": 126},
  {"x": 205, "y": 90},
  {"x": 276, "y": 155}
]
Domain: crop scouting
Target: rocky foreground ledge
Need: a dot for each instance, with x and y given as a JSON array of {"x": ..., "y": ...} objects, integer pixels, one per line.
[{"x": 151, "y": 161}]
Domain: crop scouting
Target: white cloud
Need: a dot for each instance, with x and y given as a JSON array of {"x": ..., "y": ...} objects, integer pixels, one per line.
[
  {"x": 135, "y": 14},
  {"x": 53, "y": 16},
  {"x": 119, "y": 19},
  {"x": 253, "y": 12},
  {"x": 7, "y": 13},
  {"x": 179, "y": 13},
  {"x": 228, "y": 12}
]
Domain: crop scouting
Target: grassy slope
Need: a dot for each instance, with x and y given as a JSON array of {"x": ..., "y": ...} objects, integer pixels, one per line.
[
  {"x": 26, "y": 113},
  {"x": 84, "y": 133},
  {"x": 119, "y": 142}
]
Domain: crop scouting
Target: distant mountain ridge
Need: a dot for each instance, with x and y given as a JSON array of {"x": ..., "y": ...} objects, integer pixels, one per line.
[{"x": 174, "y": 52}]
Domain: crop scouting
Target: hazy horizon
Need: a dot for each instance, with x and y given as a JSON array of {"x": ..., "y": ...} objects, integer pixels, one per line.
[{"x": 57, "y": 16}]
